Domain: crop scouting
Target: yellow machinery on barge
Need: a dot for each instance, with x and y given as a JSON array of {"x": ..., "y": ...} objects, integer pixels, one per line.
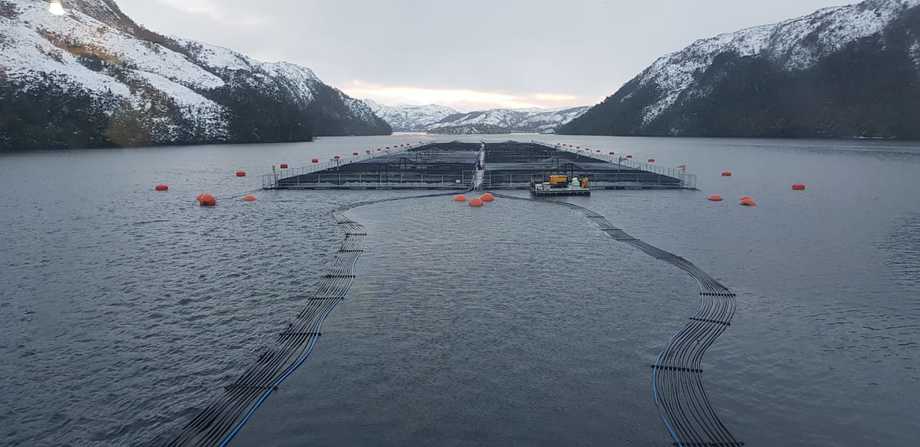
[{"x": 561, "y": 185}]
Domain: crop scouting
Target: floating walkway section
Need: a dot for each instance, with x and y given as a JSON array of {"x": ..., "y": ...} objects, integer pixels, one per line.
[
  {"x": 677, "y": 374},
  {"x": 492, "y": 166}
]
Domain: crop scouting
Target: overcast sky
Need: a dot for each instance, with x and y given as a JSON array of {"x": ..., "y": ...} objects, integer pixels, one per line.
[{"x": 469, "y": 54}]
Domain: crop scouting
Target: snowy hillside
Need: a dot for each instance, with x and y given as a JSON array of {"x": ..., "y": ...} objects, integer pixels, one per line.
[
  {"x": 505, "y": 121},
  {"x": 409, "y": 118},
  {"x": 745, "y": 66},
  {"x": 445, "y": 120},
  {"x": 93, "y": 77}
]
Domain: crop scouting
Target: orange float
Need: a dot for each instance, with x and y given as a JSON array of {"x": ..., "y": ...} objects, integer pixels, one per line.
[
  {"x": 747, "y": 201},
  {"x": 798, "y": 187},
  {"x": 161, "y": 188},
  {"x": 487, "y": 197},
  {"x": 715, "y": 198},
  {"x": 207, "y": 200},
  {"x": 315, "y": 161},
  {"x": 460, "y": 198},
  {"x": 249, "y": 198},
  {"x": 476, "y": 203},
  {"x": 241, "y": 173},
  {"x": 284, "y": 165},
  {"x": 726, "y": 173},
  {"x": 651, "y": 160}
]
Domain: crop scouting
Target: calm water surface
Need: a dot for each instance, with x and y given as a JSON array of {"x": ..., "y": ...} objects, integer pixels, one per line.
[{"x": 122, "y": 311}]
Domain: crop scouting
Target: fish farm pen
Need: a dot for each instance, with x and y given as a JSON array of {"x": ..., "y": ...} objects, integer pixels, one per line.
[{"x": 455, "y": 165}]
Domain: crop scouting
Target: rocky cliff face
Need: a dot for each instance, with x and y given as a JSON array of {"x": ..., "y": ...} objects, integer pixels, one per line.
[
  {"x": 94, "y": 78},
  {"x": 851, "y": 71}
]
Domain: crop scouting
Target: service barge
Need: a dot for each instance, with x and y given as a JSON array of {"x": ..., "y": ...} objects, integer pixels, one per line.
[{"x": 483, "y": 166}]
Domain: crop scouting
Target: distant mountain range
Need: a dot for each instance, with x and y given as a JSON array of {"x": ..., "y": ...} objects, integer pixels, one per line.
[
  {"x": 851, "y": 71},
  {"x": 95, "y": 78},
  {"x": 444, "y": 120},
  {"x": 409, "y": 118}
]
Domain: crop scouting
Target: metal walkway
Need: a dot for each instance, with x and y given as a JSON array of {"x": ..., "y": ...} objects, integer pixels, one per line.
[{"x": 677, "y": 374}]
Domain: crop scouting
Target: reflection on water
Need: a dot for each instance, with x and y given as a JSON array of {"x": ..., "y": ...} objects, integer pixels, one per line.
[
  {"x": 123, "y": 309},
  {"x": 903, "y": 247}
]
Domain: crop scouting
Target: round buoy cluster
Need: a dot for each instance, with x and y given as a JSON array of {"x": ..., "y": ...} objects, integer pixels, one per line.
[
  {"x": 749, "y": 201},
  {"x": 477, "y": 202},
  {"x": 206, "y": 200}
]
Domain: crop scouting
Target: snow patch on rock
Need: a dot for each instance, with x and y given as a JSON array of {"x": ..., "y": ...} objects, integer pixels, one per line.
[{"x": 796, "y": 44}]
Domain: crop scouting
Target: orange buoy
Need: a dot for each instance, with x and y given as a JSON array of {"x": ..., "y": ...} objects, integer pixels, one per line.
[
  {"x": 315, "y": 161},
  {"x": 487, "y": 197},
  {"x": 249, "y": 198},
  {"x": 207, "y": 200},
  {"x": 798, "y": 187},
  {"x": 161, "y": 188},
  {"x": 747, "y": 201},
  {"x": 715, "y": 198},
  {"x": 241, "y": 173},
  {"x": 726, "y": 173},
  {"x": 284, "y": 165},
  {"x": 460, "y": 198},
  {"x": 476, "y": 203},
  {"x": 651, "y": 160}
]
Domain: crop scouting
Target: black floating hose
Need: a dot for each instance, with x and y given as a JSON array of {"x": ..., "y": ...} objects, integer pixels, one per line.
[
  {"x": 677, "y": 375},
  {"x": 223, "y": 419}
]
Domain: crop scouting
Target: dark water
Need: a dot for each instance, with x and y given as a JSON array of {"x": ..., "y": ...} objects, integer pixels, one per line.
[{"x": 123, "y": 310}]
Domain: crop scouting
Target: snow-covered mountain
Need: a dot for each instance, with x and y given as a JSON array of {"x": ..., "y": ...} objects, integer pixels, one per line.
[
  {"x": 505, "y": 121},
  {"x": 839, "y": 72},
  {"x": 95, "y": 78},
  {"x": 410, "y": 118},
  {"x": 445, "y": 120}
]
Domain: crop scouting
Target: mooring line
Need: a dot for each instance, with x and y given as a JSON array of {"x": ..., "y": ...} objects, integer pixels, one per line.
[
  {"x": 223, "y": 419},
  {"x": 677, "y": 384}
]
